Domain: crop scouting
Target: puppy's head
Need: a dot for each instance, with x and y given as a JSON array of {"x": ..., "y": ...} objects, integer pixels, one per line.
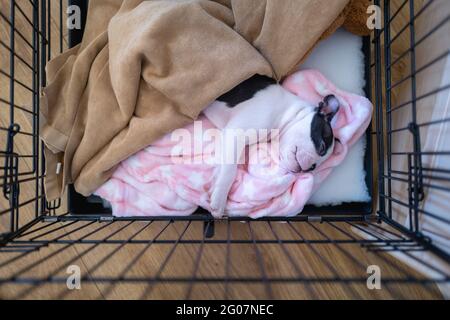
[{"x": 309, "y": 141}]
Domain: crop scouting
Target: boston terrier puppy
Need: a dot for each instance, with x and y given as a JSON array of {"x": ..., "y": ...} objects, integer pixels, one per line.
[{"x": 305, "y": 133}]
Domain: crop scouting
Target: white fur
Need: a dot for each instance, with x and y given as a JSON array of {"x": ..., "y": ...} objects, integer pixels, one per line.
[
  {"x": 341, "y": 60},
  {"x": 351, "y": 170},
  {"x": 271, "y": 108}
]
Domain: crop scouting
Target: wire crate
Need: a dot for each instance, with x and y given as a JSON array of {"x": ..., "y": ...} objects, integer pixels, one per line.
[{"x": 317, "y": 254}]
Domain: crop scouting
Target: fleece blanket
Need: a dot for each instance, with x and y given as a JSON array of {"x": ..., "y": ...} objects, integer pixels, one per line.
[
  {"x": 152, "y": 182},
  {"x": 145, "y": 68}
]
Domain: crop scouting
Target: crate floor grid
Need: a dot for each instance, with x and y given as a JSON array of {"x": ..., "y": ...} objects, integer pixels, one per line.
[
  {"x": 148, "y": 254},
  {"x": 326, "y": 252}
]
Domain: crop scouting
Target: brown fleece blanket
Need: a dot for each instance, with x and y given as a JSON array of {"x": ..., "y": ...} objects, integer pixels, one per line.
[{"x": 145, "y": 68}]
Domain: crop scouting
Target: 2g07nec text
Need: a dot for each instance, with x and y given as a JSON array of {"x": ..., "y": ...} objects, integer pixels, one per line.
[{"x": 246, "y": 309}]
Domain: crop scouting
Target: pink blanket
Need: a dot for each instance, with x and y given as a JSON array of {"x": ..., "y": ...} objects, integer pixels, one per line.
[{"x": 151, "y": 183}]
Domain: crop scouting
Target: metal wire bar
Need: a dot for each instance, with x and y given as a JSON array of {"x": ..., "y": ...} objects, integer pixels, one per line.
[
  {"x": 60, "y": 227},
  {"x": 14, "y": 80},
  {"x": 24, "y": 15},
  {"x": 423, "y": 124},
  {"x": 419, "y": 70},
  {"x": 417, "y": 159},
  {"x": 199, "y": 241},
  {"x": 21, "y": 133},
  {"x": 388, "y": 79},
  {"x": 11, "y": 65},
  {"x": 439, "y": 170},
  {"x": 16, "y": 106},
  {"x": 425, "y": 176},
  {"x": 412, "y": 19},
  {"x": 418, "y": 98},
  {"x": 421, "y": 40},
  {"x": 21, "y": 181},
  {"x": 197, "y": 263},
  {"x": 206, "y": 218},
  {"x": 45, "y": 244},
  {"x": 398, "y": 249},
  {"x": 128, "y": 267},
  {"x": 385, "y": 230},
  {"x": 13, "y": 29},
  {"x": 419, "y": 237},
  {"x": 346, "y": 280},
  {"x": 158, "y": 273},
  {"x": 45, "y": 226},
  {"x": 325, "y": 262},
  {"x": 424, "y": 153},
  {"x": 78, "y": 257},
  {"x": 393, "y": 265},
  {"x": 19, "y": 57},
  {"x": 55, "y": 253},
  {"x": 382, "y": 30},
  {"x": 260, "y": 261},
  {"x": 61, "y": 45},
  {"x": 379, "y": 116},
  {"x": 49, "y": 30},
  {"x": 227, "y": 261},
  {"x": 291, "y": 259},
  {"x": 251, "y": 280},
  {"x": 20, "y": 205},
  {"x": 117, "y": 249}
]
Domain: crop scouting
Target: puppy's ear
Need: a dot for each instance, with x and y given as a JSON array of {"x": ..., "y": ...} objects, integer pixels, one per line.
[
  {"x": 320, "y": 107},
  {"x": 329, "y": 107}
]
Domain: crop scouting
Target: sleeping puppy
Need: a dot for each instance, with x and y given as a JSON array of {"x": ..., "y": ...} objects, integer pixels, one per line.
[{"x": 306, "y": 136}]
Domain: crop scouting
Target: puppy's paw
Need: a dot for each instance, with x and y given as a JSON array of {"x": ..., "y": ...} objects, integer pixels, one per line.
[{"x": 218, "y": 202}]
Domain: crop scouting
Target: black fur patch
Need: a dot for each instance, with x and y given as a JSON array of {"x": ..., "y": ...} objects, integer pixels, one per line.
[
  {"x": 321, "y": 134},
  {"x": 246, "y": 90}
]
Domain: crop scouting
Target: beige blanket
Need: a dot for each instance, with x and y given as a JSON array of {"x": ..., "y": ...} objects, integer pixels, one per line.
[{"x": 145, "y": 68}]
